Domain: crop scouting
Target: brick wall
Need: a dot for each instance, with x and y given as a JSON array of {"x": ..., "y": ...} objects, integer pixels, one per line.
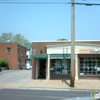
[
  {"x": 21, "y": 56},
  {"x": 12, "y": 57},
  {"x": 38, "y": 46}
]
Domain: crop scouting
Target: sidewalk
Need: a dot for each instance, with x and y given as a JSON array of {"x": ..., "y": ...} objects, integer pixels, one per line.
[{"x": 54, "y": 84}]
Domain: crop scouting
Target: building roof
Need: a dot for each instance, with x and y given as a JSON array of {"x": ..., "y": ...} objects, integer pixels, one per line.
[
  {"x": 68, "y": 41},
  {"x": 76, "y": 44},
  {"x": 27, "y": 45}
]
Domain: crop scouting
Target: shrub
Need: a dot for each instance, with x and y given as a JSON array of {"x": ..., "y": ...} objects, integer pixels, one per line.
[{"x": 4, "y": 63}]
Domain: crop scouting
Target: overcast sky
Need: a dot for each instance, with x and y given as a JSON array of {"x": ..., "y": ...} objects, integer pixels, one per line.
[{"x": 50, "y": 21}]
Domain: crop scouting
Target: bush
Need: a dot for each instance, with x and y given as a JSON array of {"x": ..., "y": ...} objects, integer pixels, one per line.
[{"x": 4, "y": 63}]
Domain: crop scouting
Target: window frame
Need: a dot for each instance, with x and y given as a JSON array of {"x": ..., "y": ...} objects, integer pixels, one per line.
[{"x": 8, "y": 50}]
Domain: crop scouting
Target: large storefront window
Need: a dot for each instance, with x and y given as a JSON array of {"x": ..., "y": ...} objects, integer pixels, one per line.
[
  {"x": 61, "y": 66},
  {"x": 90, "y": 66}
]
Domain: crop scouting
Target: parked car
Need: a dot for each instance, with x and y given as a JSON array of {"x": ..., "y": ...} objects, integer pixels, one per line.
[
  {"x": 24, "y": 66},
  {"x": 0, "y": 69},
  {"x": 27, "y": 67}
]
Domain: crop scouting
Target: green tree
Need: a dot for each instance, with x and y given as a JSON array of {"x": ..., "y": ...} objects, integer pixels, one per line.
[
  {"x": 4, "y": 63},
  {"x": 6, "y": 37},
  {"x": 9, "y": 37},
  {"x": 19, "y": 39}
]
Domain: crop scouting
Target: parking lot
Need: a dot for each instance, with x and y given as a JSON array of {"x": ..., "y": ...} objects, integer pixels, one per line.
[{"x": 17, "y": 76}]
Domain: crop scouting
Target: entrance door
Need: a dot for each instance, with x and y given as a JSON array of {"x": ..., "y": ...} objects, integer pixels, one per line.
[{"x": 42, "y": 69}]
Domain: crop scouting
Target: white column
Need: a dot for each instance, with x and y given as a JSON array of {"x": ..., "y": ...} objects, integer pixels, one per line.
[
  {"x": 48, "y": 68},
  {"x": 37, "y": 68},
  {"x": 76, "y": 67}
]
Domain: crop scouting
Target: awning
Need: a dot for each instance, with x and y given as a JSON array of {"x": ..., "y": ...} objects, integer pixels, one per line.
[
  {"x": 60, "y": 56},
  {"x": 52, "y": 56},
  {"x": 40, "y": 56}
]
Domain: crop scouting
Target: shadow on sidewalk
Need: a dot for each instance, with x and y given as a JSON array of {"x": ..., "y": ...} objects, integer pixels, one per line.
[{"x": 65, "y": 81}]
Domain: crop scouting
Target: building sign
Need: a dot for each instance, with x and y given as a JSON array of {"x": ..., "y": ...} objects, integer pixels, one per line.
[
  {"x": 89, "y": 50},
  {"x": 96, "y": 50}
]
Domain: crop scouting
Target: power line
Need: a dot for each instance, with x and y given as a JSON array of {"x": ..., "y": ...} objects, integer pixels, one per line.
[
  {"x": 87, "y": 4},
  {"x": 34, "y": 2}
]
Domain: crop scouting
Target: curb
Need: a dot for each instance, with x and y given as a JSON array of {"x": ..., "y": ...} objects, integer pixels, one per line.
[{"x": 47, "y": 88}]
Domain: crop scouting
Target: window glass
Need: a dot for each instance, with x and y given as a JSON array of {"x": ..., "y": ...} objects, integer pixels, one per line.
[
  {"x": 90, "y": 66},
  {"x": 8, "y": 50},
  {"x": 61, "y": 66}
]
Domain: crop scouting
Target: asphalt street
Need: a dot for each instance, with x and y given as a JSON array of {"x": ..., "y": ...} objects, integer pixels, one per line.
[{"x": 24, "y": 94}]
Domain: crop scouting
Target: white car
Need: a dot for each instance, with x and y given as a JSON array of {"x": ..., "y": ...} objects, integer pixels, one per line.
[{"x": 28, "y": 67}]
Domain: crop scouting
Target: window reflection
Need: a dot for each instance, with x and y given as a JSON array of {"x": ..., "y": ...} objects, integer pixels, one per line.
[
  {"x": 61, "y": 66},
  {"x": 90, "y": 66}
]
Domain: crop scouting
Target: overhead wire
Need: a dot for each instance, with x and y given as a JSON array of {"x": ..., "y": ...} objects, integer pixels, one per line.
[{"x": 31, "y": 2}]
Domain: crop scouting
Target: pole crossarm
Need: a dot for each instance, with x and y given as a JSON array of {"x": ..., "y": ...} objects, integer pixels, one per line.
[{"x": 87, "y": 4}]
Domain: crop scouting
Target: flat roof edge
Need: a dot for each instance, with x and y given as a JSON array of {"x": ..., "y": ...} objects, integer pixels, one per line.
[{"x": 70, "y": 41}]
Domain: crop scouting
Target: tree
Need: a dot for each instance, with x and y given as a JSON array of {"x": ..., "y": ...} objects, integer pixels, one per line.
[
  {"x": 19, "y": 39},
  {"x": 63, "y": 39},
  {"x": 4, "y": 63},
  {"x": 6, "y": 37},
  {"x": 9, "y": 37}
]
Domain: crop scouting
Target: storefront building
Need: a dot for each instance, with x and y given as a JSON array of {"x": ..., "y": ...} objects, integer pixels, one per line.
[{"x": 52, "y": 60}]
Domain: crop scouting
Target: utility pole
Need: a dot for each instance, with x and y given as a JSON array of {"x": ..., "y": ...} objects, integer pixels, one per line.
[{"x": 72, "y": 71}]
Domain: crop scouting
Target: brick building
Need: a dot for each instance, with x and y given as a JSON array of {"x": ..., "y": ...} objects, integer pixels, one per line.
[
  {"x": 14, "y": 53},
  {"x": 52, "y": 60}
]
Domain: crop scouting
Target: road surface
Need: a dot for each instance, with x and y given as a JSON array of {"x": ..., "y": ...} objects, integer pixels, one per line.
[{"x": 26, "y": 94}]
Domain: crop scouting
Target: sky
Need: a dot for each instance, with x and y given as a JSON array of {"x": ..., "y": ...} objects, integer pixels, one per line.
[{"x": 40, "y": 22}]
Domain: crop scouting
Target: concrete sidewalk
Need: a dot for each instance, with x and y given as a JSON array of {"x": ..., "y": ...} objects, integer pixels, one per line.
[
  {"x": 22, "y": 79},
  {"x": 54, "y": 84}
]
